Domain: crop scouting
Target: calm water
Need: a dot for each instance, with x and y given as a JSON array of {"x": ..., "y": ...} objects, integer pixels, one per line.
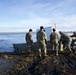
[{"x": 6, "y": 40}]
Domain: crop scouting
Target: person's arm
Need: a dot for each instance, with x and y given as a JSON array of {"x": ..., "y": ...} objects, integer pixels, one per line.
[
  {"x": 58, "y": 37},
  {"x": 45, "y": 38},
  {"x": 30, "y": 37},
  {"x": 50, "y": 38}
]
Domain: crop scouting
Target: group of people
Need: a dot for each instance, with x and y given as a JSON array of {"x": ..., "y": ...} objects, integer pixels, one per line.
[{"x": 55, "y": 40}]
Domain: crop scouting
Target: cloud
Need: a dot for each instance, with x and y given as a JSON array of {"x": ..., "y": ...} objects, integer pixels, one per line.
[
  {"x": 68, "y": 23},
  {"x": 34, "y": 13},
  {"x": 36, "y": 22},
  {"x": 20, "y": 8}
]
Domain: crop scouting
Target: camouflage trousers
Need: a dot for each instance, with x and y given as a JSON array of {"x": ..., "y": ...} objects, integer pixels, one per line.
[
  {"x": 68, "y": 45},
  {"x": 42, "y": 48},
  {"x": 55, "y": 45}
]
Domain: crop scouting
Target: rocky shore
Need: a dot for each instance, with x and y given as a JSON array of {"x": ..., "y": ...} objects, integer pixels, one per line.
[{"x": 31, "y": 64}]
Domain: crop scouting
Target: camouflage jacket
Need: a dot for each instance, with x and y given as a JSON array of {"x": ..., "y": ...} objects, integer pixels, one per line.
[
  {"x": 41, "y": 36},
  {"x": 29, "y": 38},
  {"x": 54, "y": 37}
]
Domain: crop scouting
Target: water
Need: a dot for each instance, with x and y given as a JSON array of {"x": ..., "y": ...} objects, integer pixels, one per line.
[{"x": 8, "y": 39}]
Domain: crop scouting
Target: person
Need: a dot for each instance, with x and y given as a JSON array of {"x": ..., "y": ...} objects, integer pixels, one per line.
[
  {"x": 41, "y": 40},
  {"x": 46, "y": 37},
  {"x": 66, "y": 40},
  {"x": 54, "y": 38},
  {"x": 29, "y": 40}
]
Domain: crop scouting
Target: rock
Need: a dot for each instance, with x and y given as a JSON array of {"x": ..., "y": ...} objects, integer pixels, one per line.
[{"x": 63, "y": 64}]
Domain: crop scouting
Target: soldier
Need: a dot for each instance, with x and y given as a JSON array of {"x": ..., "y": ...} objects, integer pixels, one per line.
[
  {"x": 41, "y": 39},
  {"x": 66, "y": 40},
  {"x": 29, "y": 40},
  {"x": 54, "y": 38}
]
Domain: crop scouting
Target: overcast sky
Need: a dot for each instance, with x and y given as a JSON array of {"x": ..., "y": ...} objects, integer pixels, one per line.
[{"x": 21, "y": 15}]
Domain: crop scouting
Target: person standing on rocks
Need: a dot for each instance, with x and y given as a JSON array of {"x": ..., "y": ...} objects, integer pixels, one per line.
[
  {"x": 41, "y": 40},
  {"x": 29, "y": 40},
  {"x": 54, "y": 38}
]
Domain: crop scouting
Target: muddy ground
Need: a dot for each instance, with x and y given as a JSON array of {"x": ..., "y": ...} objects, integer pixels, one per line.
[{"x": 31, "y": 64}]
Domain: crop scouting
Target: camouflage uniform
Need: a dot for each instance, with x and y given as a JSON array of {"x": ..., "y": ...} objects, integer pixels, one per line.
[
  {"x": 29, "y": 40},
  {"x": 66, "y": 40},
  {"x": 41, "y": 39},
  {"x": 54, "y": 38}
]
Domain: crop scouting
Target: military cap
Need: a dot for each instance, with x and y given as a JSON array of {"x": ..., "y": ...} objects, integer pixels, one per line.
[
  {"x": 30, "y": 30},
  {"x": 41, "y": 27},
  {"x": 54, "y": 29}
]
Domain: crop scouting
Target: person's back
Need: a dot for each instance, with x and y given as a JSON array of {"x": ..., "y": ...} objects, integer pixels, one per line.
[
  {"x": 41, "y": 37},
  {"x": 28, "y": 39},
  {"x": 54, "y": 38},
  {"x": 66, "y": 40},
  {"x": 65, "y": 37}
]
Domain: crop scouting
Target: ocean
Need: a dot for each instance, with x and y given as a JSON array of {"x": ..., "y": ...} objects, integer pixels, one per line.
[{"x": 8, "y": 39}]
